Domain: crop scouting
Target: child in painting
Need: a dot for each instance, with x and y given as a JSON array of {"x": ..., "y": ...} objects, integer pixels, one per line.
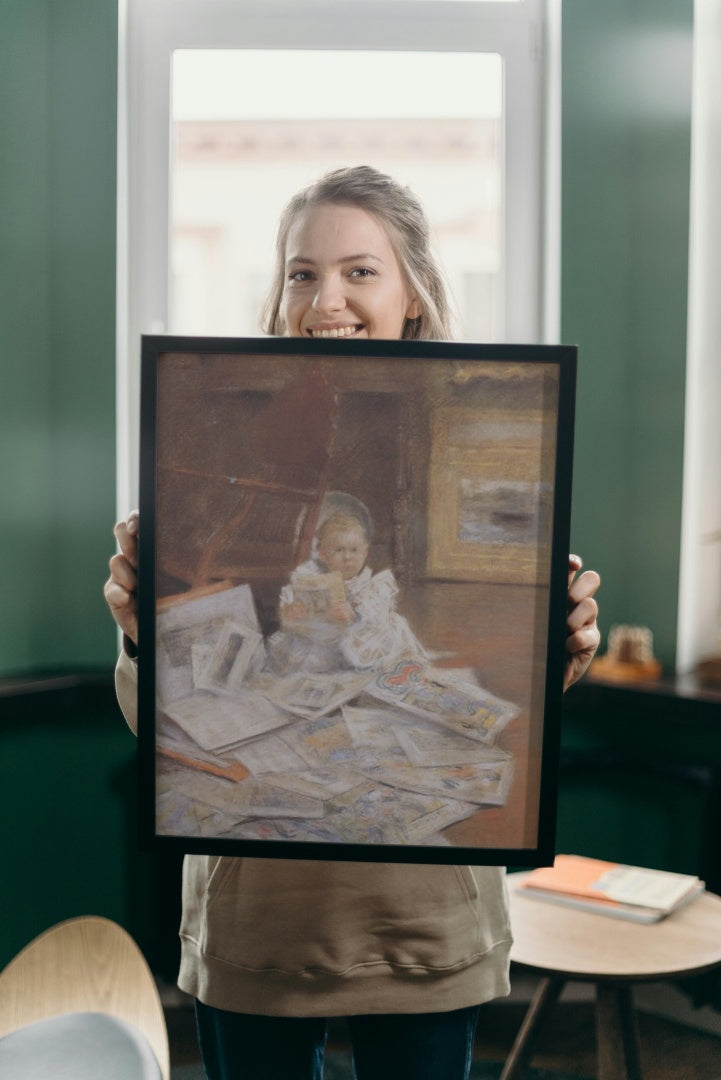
[{"x": 336, "y": 613}]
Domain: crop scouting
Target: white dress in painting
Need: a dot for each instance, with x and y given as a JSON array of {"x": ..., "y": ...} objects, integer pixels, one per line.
[{"x": 376, "y": 637}]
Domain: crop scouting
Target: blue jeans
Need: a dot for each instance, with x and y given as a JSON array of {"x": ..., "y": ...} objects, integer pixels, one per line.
[{"x": 416, "y": 1046}]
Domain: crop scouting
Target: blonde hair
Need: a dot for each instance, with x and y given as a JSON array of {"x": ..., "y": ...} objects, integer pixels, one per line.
[{"x": 402, "y": 216}]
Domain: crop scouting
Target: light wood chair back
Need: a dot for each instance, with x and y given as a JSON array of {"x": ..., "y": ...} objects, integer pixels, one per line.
[{"x": 86, "y": 964}]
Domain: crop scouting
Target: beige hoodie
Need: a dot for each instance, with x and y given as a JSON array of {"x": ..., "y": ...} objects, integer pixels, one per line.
[{"x": 287, "y": 937}]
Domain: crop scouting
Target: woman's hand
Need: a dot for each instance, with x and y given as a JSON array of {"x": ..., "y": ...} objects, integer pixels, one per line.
[
  {"x": 582, "y": 633},
  {"x": 121, "y": 587}
]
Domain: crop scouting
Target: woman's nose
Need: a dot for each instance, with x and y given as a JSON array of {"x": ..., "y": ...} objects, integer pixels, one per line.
[{"x": 329, "y": 295}]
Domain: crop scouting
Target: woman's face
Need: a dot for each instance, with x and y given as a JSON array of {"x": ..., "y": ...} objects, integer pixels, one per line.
[{"x": 342, "y": 277}]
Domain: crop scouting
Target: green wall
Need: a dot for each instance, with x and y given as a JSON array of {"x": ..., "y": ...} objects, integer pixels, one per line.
[
  {"x": 626, "y": 145},
  {"x": 67, "y": 772},
  {"x": 626, "y": 133},
  {"x": 58, "y": 72},
  {"x": 626, "y": 126}
]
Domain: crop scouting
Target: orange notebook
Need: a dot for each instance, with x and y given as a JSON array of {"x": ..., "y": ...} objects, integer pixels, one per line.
[{"x": 631, "y": 892}]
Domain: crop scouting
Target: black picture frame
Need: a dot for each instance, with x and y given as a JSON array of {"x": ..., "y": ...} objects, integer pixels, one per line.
[{"x": 294, "y": 706}]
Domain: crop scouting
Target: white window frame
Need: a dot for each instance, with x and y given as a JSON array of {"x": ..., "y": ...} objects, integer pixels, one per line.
[
  {"x": 699, "y": 597},
  {"x": 526, "y": 34}
]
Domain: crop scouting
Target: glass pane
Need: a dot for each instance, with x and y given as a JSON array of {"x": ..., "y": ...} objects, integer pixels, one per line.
[
  {"x": 250, "y": 128},
  {"x": 455, "y": 1}
]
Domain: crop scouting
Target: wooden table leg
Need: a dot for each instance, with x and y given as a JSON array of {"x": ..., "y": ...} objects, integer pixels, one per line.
[
  {"x": 617, "y": 1033},
  {"x": 545, "y": 997}
]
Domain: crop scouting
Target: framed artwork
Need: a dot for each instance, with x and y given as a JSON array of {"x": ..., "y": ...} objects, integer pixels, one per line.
[{"x": 352, "y": 597}]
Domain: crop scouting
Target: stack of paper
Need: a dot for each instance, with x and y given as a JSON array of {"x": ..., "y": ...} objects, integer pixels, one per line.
[
  {"x": 607, "y": 888},
  {"x": 342, "y": 756}
]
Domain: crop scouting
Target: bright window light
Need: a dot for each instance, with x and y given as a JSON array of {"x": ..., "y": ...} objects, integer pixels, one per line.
[
  {"x": 222, "y": 84},
  {"x": 434, "y": 121}
]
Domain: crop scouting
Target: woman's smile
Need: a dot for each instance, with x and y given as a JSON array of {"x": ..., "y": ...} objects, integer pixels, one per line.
[{"x": 334, "y": 331}]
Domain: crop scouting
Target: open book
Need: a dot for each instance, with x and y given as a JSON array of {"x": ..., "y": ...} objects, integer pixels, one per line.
[{"x": 609, "y": 888}]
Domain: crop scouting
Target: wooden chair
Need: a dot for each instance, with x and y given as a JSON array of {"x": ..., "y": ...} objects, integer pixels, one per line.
[{"x": 79, "y": 989}]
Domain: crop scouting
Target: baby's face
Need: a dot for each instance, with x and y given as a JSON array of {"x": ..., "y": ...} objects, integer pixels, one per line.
[{"x": 344, "y": 550}]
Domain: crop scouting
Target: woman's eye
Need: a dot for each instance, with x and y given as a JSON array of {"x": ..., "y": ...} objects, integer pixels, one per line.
[
  {"x": 299, "y": 276},
  {"x": 362, "y": 272}
]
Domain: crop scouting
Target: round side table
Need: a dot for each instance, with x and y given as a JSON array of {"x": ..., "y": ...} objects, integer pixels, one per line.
[{"x": 563, "y": 944}]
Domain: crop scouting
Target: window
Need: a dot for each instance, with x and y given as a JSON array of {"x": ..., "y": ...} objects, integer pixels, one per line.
[
  {"x": 227, "y": 107},
  {"x": 235, "y": 161}
]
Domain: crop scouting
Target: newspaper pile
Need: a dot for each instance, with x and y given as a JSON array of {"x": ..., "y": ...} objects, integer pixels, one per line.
[{"x": 365, "y": 757}]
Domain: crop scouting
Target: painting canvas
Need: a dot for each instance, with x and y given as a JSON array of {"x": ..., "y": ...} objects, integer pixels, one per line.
[{"x": 353, "y": 566}]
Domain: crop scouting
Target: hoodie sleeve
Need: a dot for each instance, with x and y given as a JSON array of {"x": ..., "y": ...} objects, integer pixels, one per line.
[{"x": 126, "y": 688}]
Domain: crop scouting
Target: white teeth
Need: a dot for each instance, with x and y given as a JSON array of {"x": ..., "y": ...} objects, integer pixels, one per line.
[{"x": 335, "y": 332}]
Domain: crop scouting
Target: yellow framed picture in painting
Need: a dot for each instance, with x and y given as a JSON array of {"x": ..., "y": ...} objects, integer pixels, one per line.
[{"x": 492, "y": 477}]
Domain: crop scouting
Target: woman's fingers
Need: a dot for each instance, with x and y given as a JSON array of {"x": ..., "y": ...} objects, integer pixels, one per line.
[
  {"x": 123, "y": 607},
  {"x": 582, "y": 633},
  {"x": 126, "y": 534},
  {"x": 582, "y": 611},
  {"x": 583, "y": 587},
  {"x": 121, "y": 587}
]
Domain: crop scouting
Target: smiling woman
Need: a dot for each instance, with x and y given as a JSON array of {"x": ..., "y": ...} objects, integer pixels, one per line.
[
  {"x": 353, "y": 259},
  {"x": 378, "y": 941}
]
